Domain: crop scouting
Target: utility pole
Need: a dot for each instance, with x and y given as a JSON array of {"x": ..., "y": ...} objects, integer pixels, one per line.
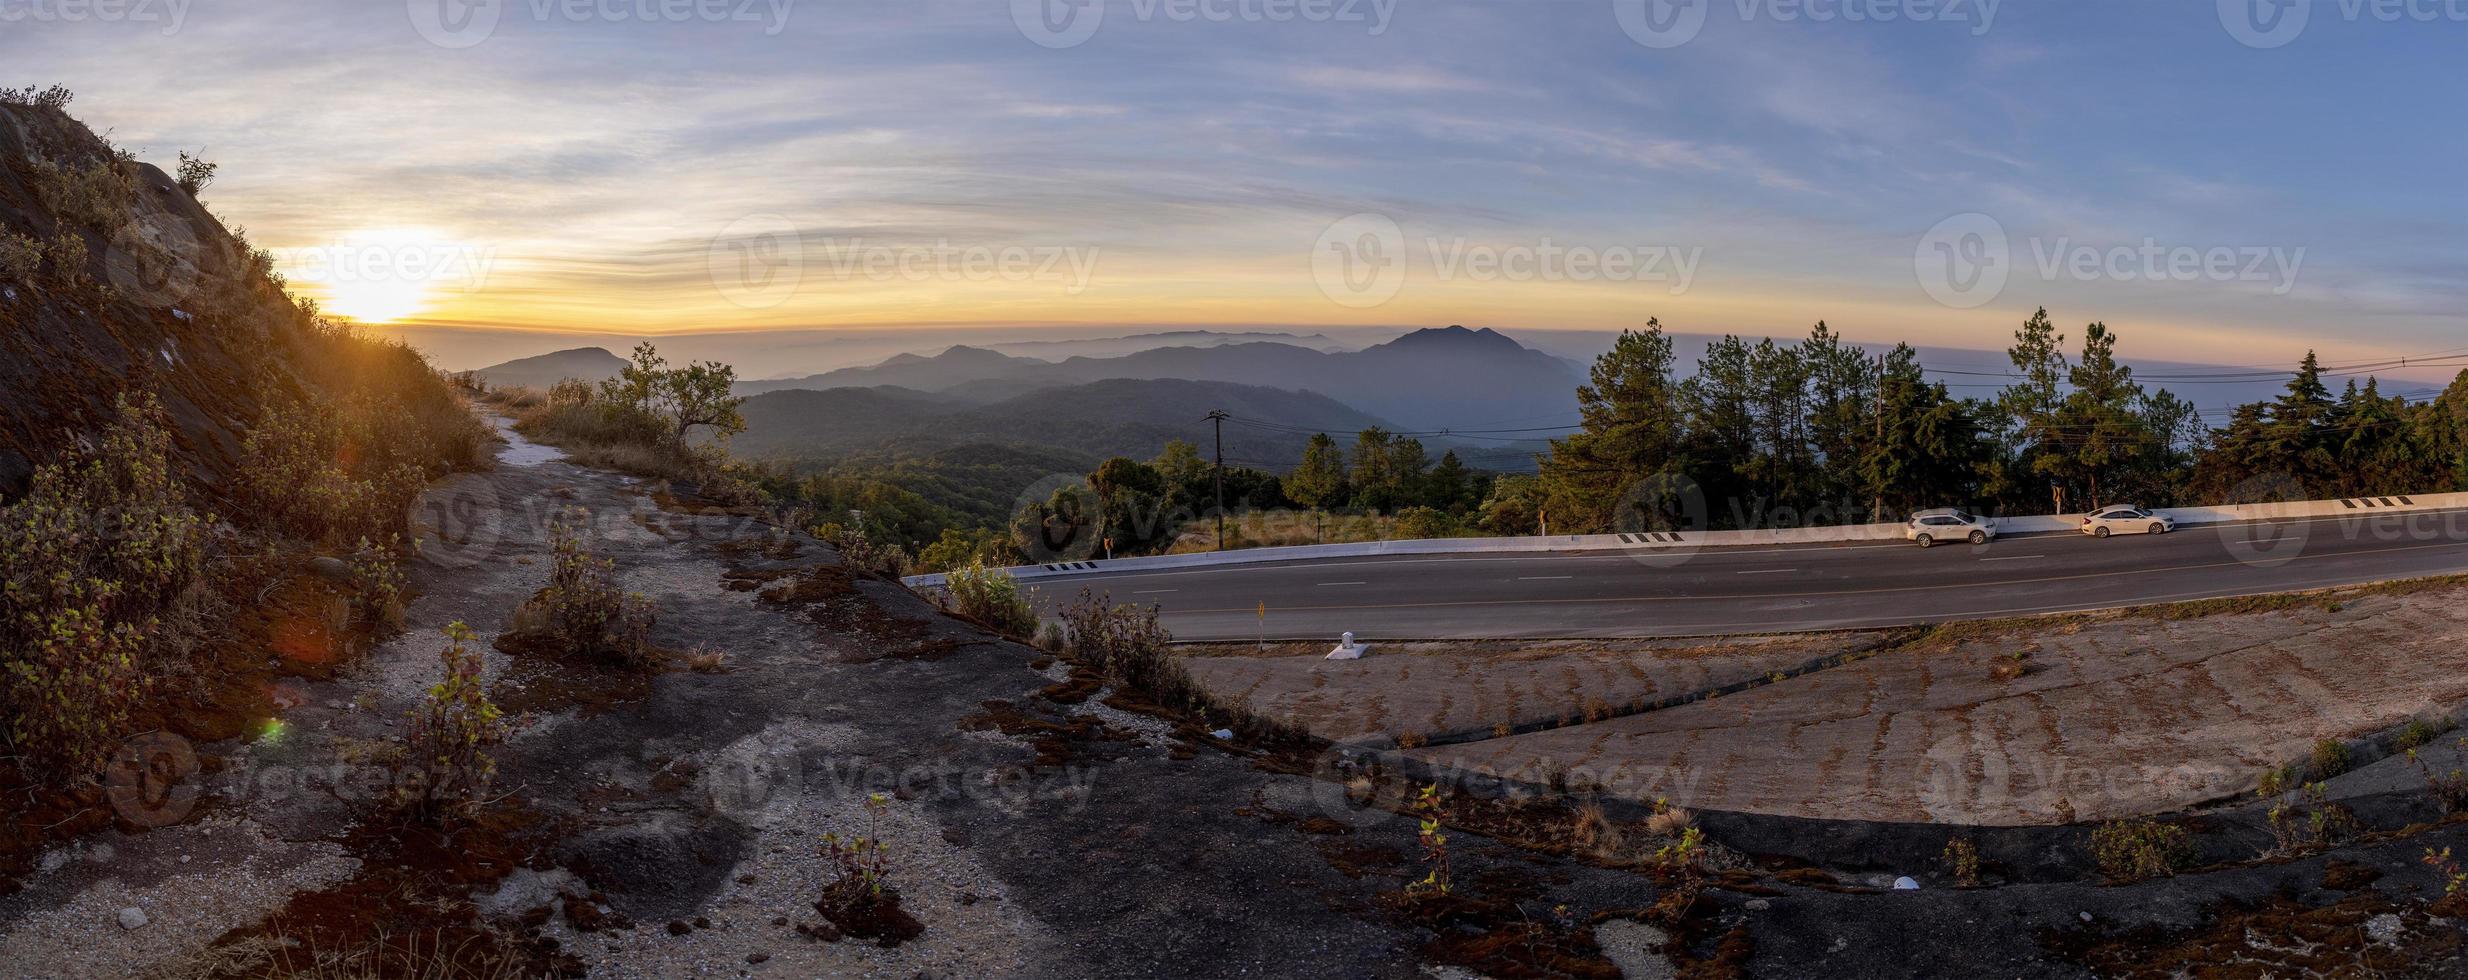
[
  {"x": 1876, "y": 504},
  {"x": 1219, "y": 417}
]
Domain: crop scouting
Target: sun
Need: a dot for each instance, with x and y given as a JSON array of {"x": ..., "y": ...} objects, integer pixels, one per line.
[{"x": 381, "y": 275}]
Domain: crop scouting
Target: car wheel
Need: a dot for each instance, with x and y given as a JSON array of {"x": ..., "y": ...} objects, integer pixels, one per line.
[
  {"x": 1979, "y": 537},
  {"x": 1927, "y": 542},
  {"x": 2157, "y": 528},
  {"x": 2099, "y": 532}
]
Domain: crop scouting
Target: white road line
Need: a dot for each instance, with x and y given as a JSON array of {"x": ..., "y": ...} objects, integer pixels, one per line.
[
  {"x": 1766, "y": 571},
  {"x": 1327, "y": 584},
  {"x": 2014, "y": 558},
  {"x": 1542, "y": 578},
  {"x": 1154, "y": 591}
]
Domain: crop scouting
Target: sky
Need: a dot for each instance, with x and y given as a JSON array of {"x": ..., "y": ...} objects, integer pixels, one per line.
[{"x": 2222, "y": 183}]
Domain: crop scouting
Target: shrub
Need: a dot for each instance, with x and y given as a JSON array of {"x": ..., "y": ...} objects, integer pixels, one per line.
[
  {"x": 1668, "y": 820},
  {"x": 1415, "y": 523},
  {"x": 68, "y": 258},
  {"x": 21, "y": 258},
  {"x": 680, "y": 399},
  {"x": 194, "y": 174},
  {"x": 1132, "y": 650},
  {"x": 571, "y": 391},
  {"x": 879, "y": 559},
  {"x": 97, "y": 193},
  {"x": 98, "y": 567},
  {"x": 378, "y": 585},
  {"x": 1050, "y": 638},
  {"x": 2449, "y": 788},
  {"x": 2418, "y": 733},
  {"x": 584, "y": 607},
  {"x": 2330, "y": 758},
  {"x": 55, "y": 97},
  {"x": 2140, "y": 849},
  {"x": 992, "y": 597},
  {"x": 1962, "y": 862},
  {"x": 303, "y": 473},
  {"x": 451, "y": 733},
  {"x": 2308, "y": 820}
]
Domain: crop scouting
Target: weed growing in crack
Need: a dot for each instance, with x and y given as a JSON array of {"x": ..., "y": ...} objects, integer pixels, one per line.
[
  {"x": 583, "y": 606},
  {"x": 1962, "y": 862},
  {"x": 1430, "y": 834},
  {"x": 859, "y": 897},
  {"x": 2140, "y": 849},
  {"x": 992, "y": 597},
  {"x": 452, "y": 731}
]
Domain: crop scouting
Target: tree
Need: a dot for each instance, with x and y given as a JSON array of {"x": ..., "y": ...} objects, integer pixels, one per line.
[
  {"x": 1319, "y": 483},
  {"x": 1450, "y": 485},
  {"x": 1933, "y": 450},
  {"x": 699, "y": 394},
  {"x": 194, "y": 174},
  {"x": 1632, "y": 418},
  {"x": 2030, "y": 405},
  {"x": 1374, "y": 475}
]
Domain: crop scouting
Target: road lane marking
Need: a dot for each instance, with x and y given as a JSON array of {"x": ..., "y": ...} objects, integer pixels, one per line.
[
  {"x": 1542, "y": 578},
  {"x": 1327, "y": 584},
  {"x": 2014, "y": 558},
  {"x": 1153, "y": 591},
  {"x": 1766, "y": 571}
]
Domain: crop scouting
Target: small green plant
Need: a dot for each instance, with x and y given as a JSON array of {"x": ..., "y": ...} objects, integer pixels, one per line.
[
  {"x": 860, "y": 866},
  {"x": 2276, "y": 780},
  {"x": 2140, "y": 849},
  {"x": 1962, "y": 862},
  {"x": 194, "y": 173},
  {"x": 452, "y": 731},
  {"x": 1683, "y": 862},
  {"x": 991, "y": 596},
  {"x": 96, "y": 194},
  {"x": 2449, "y": 788},
  {"x": 378, "y": 586},
  {"x": 2329, "y": 758},
  {"x": 2418, "y": 733},
  {"x": 584, "y": 607},
  {"x": 1431, "y": 814},
  {"x": 2454, "y": 880}
]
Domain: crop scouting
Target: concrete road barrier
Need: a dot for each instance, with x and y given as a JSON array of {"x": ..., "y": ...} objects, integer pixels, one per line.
[{"x": 1674, "y": 541}]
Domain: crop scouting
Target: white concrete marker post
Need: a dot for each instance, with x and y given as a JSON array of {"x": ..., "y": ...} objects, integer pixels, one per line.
[{"x": 1347, "y": 649}]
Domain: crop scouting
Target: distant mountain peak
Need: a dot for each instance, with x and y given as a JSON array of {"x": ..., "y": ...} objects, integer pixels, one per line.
[{"x": 1456, "y": 336}]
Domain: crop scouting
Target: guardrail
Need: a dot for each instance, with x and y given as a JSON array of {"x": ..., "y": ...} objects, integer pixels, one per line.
[{"x": 1665, "y": 540}]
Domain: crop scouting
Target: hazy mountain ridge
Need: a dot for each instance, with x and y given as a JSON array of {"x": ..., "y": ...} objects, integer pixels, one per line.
[
  {"x": 1427, "y": 379},
  {"x": 543, "y": 370},
  {"x": 1113, "y": 417}
]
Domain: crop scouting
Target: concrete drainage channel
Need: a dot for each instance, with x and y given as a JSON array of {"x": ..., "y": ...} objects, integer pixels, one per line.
[{"x": 1688, "y": 541}]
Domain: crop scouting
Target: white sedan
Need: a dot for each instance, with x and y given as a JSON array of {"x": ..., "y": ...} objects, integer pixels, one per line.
[{"x": 2128, "y": 519}]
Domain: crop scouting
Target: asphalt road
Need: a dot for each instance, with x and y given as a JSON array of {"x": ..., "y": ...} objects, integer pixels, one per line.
[{"x": 1757, "y": 589}]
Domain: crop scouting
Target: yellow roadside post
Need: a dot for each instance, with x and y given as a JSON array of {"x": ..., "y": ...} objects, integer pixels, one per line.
[{"x": 1263, "y": 626}]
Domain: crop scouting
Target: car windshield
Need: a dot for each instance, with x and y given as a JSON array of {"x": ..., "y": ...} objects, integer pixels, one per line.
[{"x": 1965, "y": 518}]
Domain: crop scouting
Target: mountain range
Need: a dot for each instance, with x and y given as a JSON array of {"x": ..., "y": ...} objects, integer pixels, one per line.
[
  {"x": 1121, "y": 417},
  {"x": 1429, "y": 379}
]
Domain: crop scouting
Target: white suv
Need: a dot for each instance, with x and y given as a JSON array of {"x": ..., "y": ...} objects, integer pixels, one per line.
[
  {"x": 2126, "y": 519},
  {"x": 1947, "y": 524}
]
